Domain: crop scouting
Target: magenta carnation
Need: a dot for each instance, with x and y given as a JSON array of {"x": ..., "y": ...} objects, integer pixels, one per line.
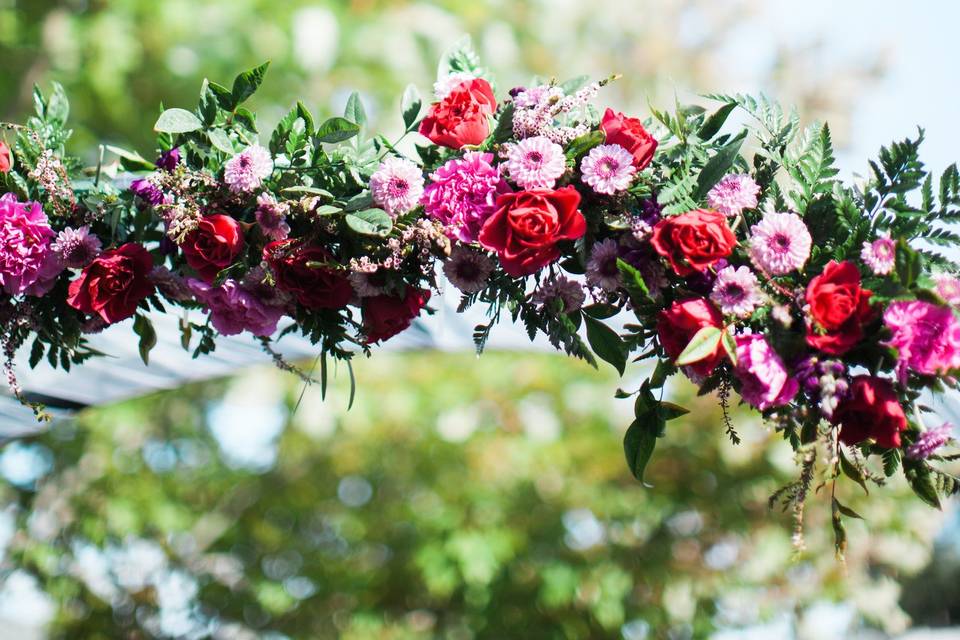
[
  {"x": 764, "y": 379},
  {"x": 462, "y": 194},
  {"x": 27, "y": 263},
  {"x": 925, "y": 335},
  {"x": 234, "y": 309}
]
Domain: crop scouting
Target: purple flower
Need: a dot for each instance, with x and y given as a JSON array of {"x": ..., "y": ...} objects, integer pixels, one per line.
[
  {"x": 734, "y": 193},
  {"x": 536, "y": 163},
  {"x": 602, "y": 269},
  {"x": 27, "y": 263},
  {"x": 77, "y": 247},
  {"x": 397, "y": 185},
  {"x": 463, "y": 193},
  {"x": 233, "y": 309},
  {"x": 144, "y": 189},
  {"x": 780, "y": 243},
  {"x": 468, "y": 269},
  {"x": 272, "y": 218},
  {"x": 569, "y": 292},
  {"x": 929, "y": 441},
  {"x": 169, "y": 160},
  {"x": 608, "y": 168},
  {"x": 171, "y": 285},
  {"x": 764, "y": 379},
  {"x": 247, "y": 170}
]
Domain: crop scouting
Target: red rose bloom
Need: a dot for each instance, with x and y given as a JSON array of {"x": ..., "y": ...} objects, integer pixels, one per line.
[
  {"x": 629, "y": 134},
  {"x": 693, "y": 241},
  {"x": 6, "y": 158},
  {"x": 386, "y": 316},
  {"x": 213, "y": 245},
  {"x": 678, "y": 324},
  {"x": 527, "y": 225},
  {"x": 114, "y": 283},
  {"x": 315, "y": 287},
  {"x": 461, "y": 118},
  {"x": 871, "y": 410},
  {"x": 839, "y": 307}
]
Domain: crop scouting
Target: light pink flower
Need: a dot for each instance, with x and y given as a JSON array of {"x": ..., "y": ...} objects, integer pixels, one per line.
[
  {"x": 925, "y": 335},
  {"x": 27, "y": 262},
  {"x": 272, "y": 217},
  {"x": 247, "y": 170},
  {"x": 602, "y": 269},
  {"x": 608, "y": 168},
  {"x": 397, "y": 185},
  {"x": 948, "y": 288},
  {"x": 737, "y": 292},
  {"x": 764, "y": 379},
  {"x": 462, "y": 194},
  {"x": 445, "y": 85},
  {"x": 535, "y": 163},
  {"x": 468, "y": 269},
  {"x": 880, "y": 255},
  {"x": 780, "y": 243},
  {"x": 77, "y": 247},
  {"x": 233, "y": 309},
  {"x": 734, "y": 193},
  {"x": 929, "y": 441}
]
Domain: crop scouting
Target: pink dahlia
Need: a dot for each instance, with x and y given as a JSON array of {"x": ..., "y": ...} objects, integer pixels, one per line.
[
  {"x": 764, "y": 379},
  {"x": 929, "y": 441},
  {"x": 602, "y": 269},
  {"x": 247, "y": 170},
  {"x": 467, "y": 269},
  {"x": 462, "y": 194},
  {"x": 397, "y": 185},
  {"x": 272, "y": 217},
  {"x": 233, "y": 309},
  {"x": 76, "y": 247},
  {"x": 780, "y": 243},
  {"x": 734, "y": 193},
  {"x": 536, "y": 163},
  {"x": 27, "y": 263},
  {"x": 737, "y": 291},
  {"x": 948, "y": 288},
  {"x": 925, "y": 335},
  {"x": 608, "y": 168},
  {"x": 880, "y": 255}
]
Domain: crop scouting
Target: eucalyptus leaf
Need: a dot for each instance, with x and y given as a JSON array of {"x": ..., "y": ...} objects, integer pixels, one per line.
[
  {"x": 177, "y": 121},
  {"x": 370, "y": 222}
]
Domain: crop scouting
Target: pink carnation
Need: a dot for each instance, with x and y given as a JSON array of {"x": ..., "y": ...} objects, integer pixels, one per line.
[
  {"x": 764, "y": 379},
  {"x": 234, "y": 309},
  {"x": 27, "y": 263},
  {"x": 462, "y": 194},
  {"x": 925, "y": 335}
]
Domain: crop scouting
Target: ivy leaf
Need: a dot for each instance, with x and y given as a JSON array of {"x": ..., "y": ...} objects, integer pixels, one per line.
[
  {"x": 247, "y": 83},
  {"x": 148, "y": 336},
  {"x": 702, "y": 345},
  {"x": 718, "y": 166},
  {"x": 410, "y": 106},
  {"x": 370, "y": 222},
  {"x": 606, "y": 343},
  {"x": 177, "y": 121},
  {"x": 337, "y": 130},
  {"x": 638, "y": 444},
  {"x": 669, "y": 411},
  {"x": 354, "y": 111}
]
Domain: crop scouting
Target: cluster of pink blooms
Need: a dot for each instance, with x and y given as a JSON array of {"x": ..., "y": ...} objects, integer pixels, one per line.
[
  {"x": 246, "y": 171},
  {"x": 462, "y": 194},
  {"x": 28, "y": 263},
  {"x": 233, "y": 308},
  {"x": 765, "y": 381},
  {"x": 537, "y": 110},
  {"x": 271, "y": 217},
  {"x": 925, "y": 335},
  {"x": 880, "y": 255},
  {"x": 929, "y": 441}
]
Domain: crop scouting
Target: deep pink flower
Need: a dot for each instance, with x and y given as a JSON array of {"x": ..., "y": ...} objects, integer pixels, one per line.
[
  {"x": 764, "y": 379},
  {"x": 27, "y": 263},
  {"x": 925, "y": 335},
  {"x": 233, "y": 309},
  {"x": 463, "y": 193}
]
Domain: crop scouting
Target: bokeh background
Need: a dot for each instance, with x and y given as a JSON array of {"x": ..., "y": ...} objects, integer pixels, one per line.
[{"x": 460, "y": 497}]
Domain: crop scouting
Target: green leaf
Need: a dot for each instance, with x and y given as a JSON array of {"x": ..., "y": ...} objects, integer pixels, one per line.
[
  {"x": 177, "y": 121},
  {"x": 729, "y": 344},
  {"x": 148, "y": 336},
  {"x": 638, "y": 444},
  {"x": 718, "y": 166},
  {"x": 715, "y": 122},
  {"x": 908, "y": 264},
  {"x": 702, "y": 345},
  {"x": 663, "y": 370},
  {"x": 633, "y": 280},
  {"x": 410, "y": 106},
  {"x": 312, "y": 191},
  {"x": 845, "y": 510},
  {"x": 669, "y": 411},
  {"x": 247, "y": 83},
  {"x": 606, "y": 343},
  {"x": 131, "y": 159},
  {"x": 58, "y": 107},
  {"x": 460, "y": 57},
  {"x": 918, "y": 475},
  {"x": 580, "y": 146},
  {"x": 354, "y": 111},
  {"x": 852, "y": 471},
  {"x": 337, "y": 130},
  {"x": 370, "y": 222},
  {"x": 220, "y": 140}
]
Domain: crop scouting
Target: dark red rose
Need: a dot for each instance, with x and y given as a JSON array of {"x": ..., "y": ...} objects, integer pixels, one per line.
[
  {"x": 527, "y": 225},
  {"x": 461, "y": 118},
  {"x": 386, "y": 316},
  {"x": 114, "y": 283},
  {"x": 629, "y": 134},
  {"x": 315, "y": 287},
  {"x": 6, "y": 157},
  {"x": 693, "y": 241},
  {"x": 839, "y": 307},
  {"x": 677, "y": 325},
  {"x": 213, "y": 245},
  {"x": 871, "y": 410}
]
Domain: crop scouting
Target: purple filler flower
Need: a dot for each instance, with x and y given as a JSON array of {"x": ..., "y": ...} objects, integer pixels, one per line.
[
  {"x": 764, "y": 379},
  {"x": 463, "y": 193},
  {"x": 144, "y": 189}
]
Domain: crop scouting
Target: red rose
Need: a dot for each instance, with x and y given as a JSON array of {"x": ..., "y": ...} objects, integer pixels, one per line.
[
  {"x": 213, "y": 245},
  {"x": 386, "y": 316},
  {"x": 871, "y": 410},
  {"x": 315, "y": 287},
  {"x": 629, "y": 134},
  {"x": 6, "y": 157},
  {"x": 693, "y": 241},
  {"x": 461, "y": 118},
  {"x": 527, "y": 225},
  {"x": 678, "y": 324},
  {"x": 114, "y": 283},
  {"x": 839, "y": 307}
]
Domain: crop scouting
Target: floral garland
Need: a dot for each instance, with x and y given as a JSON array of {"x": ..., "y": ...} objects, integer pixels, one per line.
[{"x": 825, "y": 307}]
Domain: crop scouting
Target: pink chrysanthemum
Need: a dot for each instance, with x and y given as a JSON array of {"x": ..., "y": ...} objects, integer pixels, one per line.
[
  {"x": 397, "y": 185},
  {"x": 468, "y": 269},
  {"x": 77, "y": 247},
  {"x": 233, "y": 309},
  {"x": 779, "y": 243},
  {"x": 272, "y": 217},
  {"x": 925, "y": 335},
  {"x": 463, "y": 193},
  {"x": 737, "y": 291},
  {"x": 734, "y": 193},
  {"x": 247, "y": 170},
  {"x": 880, "y": 255},
  {"x": 948, "y": 288},
  {"x": 608, "y": 168},
  {"x": 929, "y": 441},
  {"x": 535, "y": 163},
  {"x": 764, "y": 379},
  {"x": 27, "y": 263},
  {"x": 602, "y": 270},
  {"x": 570, "y": 293},
  {"x": 445, "y": 85}
]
